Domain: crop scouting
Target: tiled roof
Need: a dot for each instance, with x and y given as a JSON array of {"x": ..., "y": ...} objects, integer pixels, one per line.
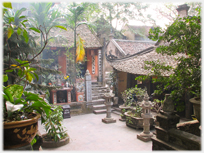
[
  {"x": 131, "y": 47},
  {"x": 134, "y": 64},
  {"x": 67, "y": 39}
]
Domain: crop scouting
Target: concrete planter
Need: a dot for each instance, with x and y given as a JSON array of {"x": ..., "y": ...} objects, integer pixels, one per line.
[{"x": 136, "y": 122}]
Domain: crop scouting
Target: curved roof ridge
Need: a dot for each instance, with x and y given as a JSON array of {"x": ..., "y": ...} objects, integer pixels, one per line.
[
  {"x": 124, "y": 40},
  {"x": 119, "y": 48},
  {"x": 150, "y": 49}
]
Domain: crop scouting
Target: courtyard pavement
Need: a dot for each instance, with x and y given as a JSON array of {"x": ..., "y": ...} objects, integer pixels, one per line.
[{"x": 88, "y": 133}]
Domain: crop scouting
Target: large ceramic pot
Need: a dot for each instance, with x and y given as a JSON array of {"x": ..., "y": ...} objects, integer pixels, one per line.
[
  {"x": 196, "y": 108},
  {"x": 20, "y": 133}
]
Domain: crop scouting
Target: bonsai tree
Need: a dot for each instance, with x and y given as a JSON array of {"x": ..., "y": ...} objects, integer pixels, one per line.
[
  {"x": 182, "y": 39},
  {"x": 132, "y": 96}
]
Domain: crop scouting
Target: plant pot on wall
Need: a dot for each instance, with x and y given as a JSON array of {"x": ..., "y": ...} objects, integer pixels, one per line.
[
  {"x": 196, "y": 108},
  {"x": 79, "y": 96},
  {"x": 20, "y": 133}
]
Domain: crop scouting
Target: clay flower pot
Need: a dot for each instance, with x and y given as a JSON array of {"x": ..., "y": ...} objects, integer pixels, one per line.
[{"x": 20, "y": 133}]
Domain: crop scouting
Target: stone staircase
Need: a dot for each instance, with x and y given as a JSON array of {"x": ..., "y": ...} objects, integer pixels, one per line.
[
  {"x": 98, "y": 101},
  {"x": 97, "y": 98}
]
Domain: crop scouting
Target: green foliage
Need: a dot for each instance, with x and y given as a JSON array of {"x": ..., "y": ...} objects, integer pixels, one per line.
[
  {"x": 157, "y": 105},
  {"x": 7, "y": 4},
  {"x": 33, "y": 142},
  {"x": 138, "y": 110},
  {"x": 18, "y": 46},
  {"x": 53, "y": 124},
  {"x": 50, "y": 78},
  {"x": 45, "y": 18},
  {"x": 130, "y": 94},
  {"x": 114, "y": 81},
  {"x": 31, "y": 102},
  {"x": 184, "y": 43},
  {"x": 13, "y": 21},
  {"x": 129, "y": 119}
]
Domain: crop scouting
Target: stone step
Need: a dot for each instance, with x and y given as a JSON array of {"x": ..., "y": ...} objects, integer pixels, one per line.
[
  {"x": 94, "y": 83},
  {"x": 98, "y": 88},
  {"x": 116, "y": 112},
  {"x": 94, "y": 97},
  {"x": 117, "y": 109},
  {"x": 97, "y": 107},
  {"x": 100, "y": 111},
  {"x": 98, "y": 101},
  {"x": 98, "y": 94},
  {"x": 99, "y": 91}
]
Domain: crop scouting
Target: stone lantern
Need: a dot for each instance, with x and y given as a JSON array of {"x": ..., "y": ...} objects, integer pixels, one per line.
[
  {"x": 108, "y": 97},
  {"x": 146, "y": 115}
]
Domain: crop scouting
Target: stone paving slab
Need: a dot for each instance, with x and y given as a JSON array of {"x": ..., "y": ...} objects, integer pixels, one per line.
[{"x": 88, "y": 133}]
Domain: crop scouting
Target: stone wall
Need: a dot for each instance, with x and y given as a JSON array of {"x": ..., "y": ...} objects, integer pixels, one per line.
[{"x": 79, "y": 108}]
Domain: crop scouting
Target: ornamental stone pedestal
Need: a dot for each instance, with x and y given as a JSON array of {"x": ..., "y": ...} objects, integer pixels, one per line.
[
  {"x": 88, "y": 89},
  {"x": 108, "y": 103},
  {"x": 146, "y": 115}
]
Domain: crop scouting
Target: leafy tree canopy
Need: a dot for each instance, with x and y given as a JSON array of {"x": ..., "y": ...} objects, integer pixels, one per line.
[{"x": 182, "y": 37}]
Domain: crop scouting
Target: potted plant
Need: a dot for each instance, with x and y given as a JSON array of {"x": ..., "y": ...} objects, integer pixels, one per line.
[
  {"x": 130, "y": 97},
  {"x": 21, "y": 113},
  {"x": 56, "y": 135}
]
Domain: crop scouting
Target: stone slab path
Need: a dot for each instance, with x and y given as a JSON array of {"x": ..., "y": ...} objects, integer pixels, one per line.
[{"x": 88, "y": 133}]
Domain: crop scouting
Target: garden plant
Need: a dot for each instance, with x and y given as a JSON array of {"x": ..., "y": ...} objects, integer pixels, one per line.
[
  {"x": 19, "y": 104},
  {"x": 53, "y": 124}
]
